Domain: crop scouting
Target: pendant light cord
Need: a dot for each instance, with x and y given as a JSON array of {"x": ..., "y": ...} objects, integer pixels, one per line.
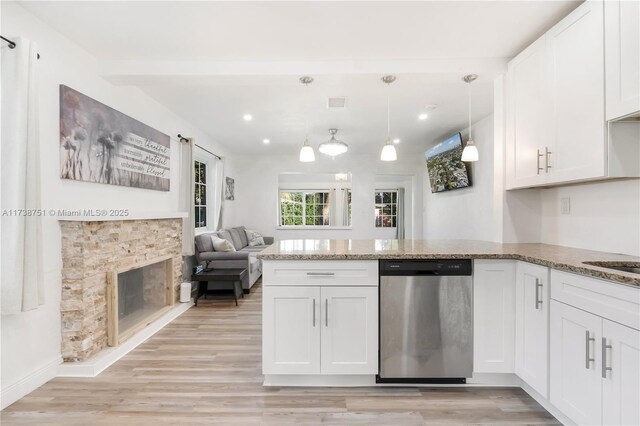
[
  {"x": 388, "y": 114},
  {"x": 306, "y": 136},
  {"x": 469, "y": 96}
]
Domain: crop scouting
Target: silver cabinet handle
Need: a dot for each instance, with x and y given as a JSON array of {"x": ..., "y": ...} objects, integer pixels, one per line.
[
  {"x": 321, "y": 274},
  {"x": 326, "y": 312},
  {"x": 538, "y": 161},
  {"x": 314, "y": 312},
  {"x": 538, "y": 298},
  {"x": 587, "y": 350},
  {"x": 547, "y": 161},
  {"x": 604, "y": 357}
]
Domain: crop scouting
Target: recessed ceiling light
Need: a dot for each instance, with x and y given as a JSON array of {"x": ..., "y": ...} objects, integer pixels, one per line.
[
  {"x": 423, "y": 116},
  {"x": 396, "y": 140},
  {"x": 265, "y": 141},
  {"x": 247, "y": 117}
]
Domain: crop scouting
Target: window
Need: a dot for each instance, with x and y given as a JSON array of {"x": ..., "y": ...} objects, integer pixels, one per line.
[
  {"x": 200, "y": 194},
  {"x": 386, "y": 209},
  {"x": 305, "y": 208}
]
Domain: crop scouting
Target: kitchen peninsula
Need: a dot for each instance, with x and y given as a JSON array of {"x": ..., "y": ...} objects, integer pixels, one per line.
[{"x": 536, "y": 309}]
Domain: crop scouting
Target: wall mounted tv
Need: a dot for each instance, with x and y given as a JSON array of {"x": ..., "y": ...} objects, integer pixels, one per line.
[{"x": 445, "y": 166}]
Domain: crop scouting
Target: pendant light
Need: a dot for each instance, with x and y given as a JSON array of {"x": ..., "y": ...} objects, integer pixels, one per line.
[
  {"x": 470, "y": 151},
  {"x": 333, "y": 146},
  {"x": 306, "y": 152},
  {"x": 388, "y": 150}
]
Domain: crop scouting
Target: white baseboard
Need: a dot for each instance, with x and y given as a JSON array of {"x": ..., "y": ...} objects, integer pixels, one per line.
[
  {"x": 28, "y": 384},
  {"x": 319, "y": 380},
  {"x": 101, "y": 361}
]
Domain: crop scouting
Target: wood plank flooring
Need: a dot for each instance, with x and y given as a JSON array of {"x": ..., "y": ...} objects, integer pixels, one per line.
[{"x": 205, "y": 368}]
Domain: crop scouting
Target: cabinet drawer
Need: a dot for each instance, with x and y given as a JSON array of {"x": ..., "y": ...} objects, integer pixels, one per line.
[
  {"x": 609, "y": 300},
  {"x": 320, "y": 272}
]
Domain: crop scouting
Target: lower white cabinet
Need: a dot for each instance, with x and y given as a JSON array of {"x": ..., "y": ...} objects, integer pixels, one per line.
[
  {"x": 532, "y": 326},
  {"x": 493, "y": 316},
  {"x": 595, "y": 368},
  {"x": 310, "y": 330}
]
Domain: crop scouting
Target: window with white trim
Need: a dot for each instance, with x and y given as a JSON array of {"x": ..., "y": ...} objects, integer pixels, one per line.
[
  {"x": 200, "y": 194},
  {"x": 305, "y": 208},
  {"x": 386, "y": 209}
]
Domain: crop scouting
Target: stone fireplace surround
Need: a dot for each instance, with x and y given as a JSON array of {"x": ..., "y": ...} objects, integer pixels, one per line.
[{"x": 91, "y": 250}]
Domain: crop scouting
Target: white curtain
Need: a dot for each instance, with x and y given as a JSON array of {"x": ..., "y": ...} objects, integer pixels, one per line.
[
  {"x": 345, "y": 208},
  {"x": 22, "y": 275},
  {"x": 400, "y": 215},
  {"x": 218, "y": 193},
  {"x": 186, "y": 196}
]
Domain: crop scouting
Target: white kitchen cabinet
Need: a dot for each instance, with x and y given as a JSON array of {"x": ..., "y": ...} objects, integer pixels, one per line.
[
  {"x": 526, "y": 117},
  {"x": 576, "y": 338},
  {"x": 493, "y": 316},
  {"x": 291, "y": 330},
  {"x": 620, "y": 350},
  {"x": 595, "y": 350},
  {"x": 622, "y": 58},
  {"x": 577, "y": 128},
  {"x": 532, "y": 325},
  {"x": 314, "y": 323},
  {"x": 349, "y": 337},
  {"x": 556, "y": 128}
]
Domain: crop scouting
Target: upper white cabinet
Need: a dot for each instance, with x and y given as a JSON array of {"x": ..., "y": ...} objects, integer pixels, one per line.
[
  {"x": 532, "y": 325},
  {"x": 576, "y": 123},
  {"x": 526, "y": 117},
  {"x": 493, "y": 316},
  {"x": 556, "y": 130},
  {"x": 622, "y": 53}
]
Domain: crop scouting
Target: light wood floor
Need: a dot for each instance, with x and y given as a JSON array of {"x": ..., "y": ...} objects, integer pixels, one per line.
[{"x": 204, "y": 368}]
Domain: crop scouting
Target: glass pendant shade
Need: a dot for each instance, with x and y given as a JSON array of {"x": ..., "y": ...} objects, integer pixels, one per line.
[
  {"x": 306, "y": 153},
  {"x": 333, "y": 146},
  {"x": 470, "y": 151},
  {"x": 388, "y": 152}
]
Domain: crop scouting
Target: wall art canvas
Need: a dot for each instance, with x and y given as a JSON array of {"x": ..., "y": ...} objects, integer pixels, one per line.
[
  {"x": 229, "y": 190},
  {"x": 99, "y": 144}
]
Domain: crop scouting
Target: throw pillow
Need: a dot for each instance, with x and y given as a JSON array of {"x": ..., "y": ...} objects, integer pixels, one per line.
[
  {"x": 220, "y": 244},
  {"x": 255, "y": 238}
]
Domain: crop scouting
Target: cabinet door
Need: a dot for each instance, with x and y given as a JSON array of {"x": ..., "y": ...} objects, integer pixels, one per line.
[
  {"x": 622, "y": 57},
  {"x": 291, "y": 330},
  {"x": 532, "y": 321},
  {"x": 349, "y": 330},
  {"x": 526, "y": 114},
  {"x": 493, "y": 316},
  {"x": 577, "y": 124},
  {"x": 576, "y": 386},
  {"x": 621, "y": 384}
]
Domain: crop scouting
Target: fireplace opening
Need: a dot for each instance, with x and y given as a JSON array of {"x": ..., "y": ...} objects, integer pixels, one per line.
[{"x": 137, "y": 297}]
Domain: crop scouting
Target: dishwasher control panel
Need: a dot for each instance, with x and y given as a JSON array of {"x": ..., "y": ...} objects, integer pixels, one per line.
[{"x": 426, "y": 267}]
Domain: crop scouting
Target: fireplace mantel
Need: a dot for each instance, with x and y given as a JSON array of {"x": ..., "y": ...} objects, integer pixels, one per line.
[{"x": 78, "y": 215}]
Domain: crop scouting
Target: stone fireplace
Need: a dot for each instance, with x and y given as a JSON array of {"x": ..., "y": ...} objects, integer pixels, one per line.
[{"x": 93, "y": 252}]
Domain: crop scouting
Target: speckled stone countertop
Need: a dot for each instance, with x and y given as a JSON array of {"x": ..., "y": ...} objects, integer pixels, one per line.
[{"x": 557, "y": 257}]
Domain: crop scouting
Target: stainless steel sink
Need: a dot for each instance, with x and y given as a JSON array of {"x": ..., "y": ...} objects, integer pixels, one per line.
[{"x": 632, "y": 267}]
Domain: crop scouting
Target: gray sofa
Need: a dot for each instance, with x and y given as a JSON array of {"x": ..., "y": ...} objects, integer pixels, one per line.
[{"x": 243, "y": 257}]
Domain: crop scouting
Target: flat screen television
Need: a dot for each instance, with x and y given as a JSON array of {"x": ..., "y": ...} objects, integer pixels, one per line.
[{"x": 445, "y": 166}]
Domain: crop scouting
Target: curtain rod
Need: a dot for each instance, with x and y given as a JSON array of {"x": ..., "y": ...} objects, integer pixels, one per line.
[
  {"x": 12, "y": 44},
  {"x": 183, "y": 139}
]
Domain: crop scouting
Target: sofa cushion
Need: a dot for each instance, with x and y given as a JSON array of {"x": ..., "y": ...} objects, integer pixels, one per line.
[
  {"x": 203, "y": 242},
  {"x": 235, "y": 238},
  {"x": 220, "y": 244},
  {"x": 253, "y": 249},
  {"x": 255, "y": 238},
  {"x": 243, "y": 235}
]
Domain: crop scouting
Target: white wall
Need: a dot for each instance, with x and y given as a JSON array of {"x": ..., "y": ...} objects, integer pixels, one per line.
[
  {"x": 257, "y": 194},
  {"x": 604, "y": 216},
  {"x": 31, "y": 340},
  {"x": 466, "y": 213}
]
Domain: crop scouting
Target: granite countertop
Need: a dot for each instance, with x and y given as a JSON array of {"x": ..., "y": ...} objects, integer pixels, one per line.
[{"x": 557, "y": 257}]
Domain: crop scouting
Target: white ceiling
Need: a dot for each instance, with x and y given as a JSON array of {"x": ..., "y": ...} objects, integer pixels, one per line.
[{"x": 429, "y": 45}]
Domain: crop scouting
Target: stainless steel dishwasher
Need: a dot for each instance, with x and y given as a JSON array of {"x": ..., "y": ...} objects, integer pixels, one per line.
[{"x": 426, "y": 321}]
